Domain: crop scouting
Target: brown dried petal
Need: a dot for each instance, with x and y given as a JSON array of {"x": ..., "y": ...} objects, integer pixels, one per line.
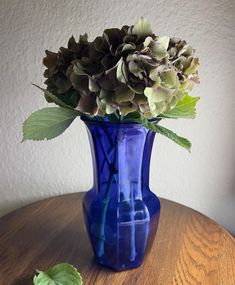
[
  {"x": 51, "y": 59},
  {"x": 87, "y": 104}
]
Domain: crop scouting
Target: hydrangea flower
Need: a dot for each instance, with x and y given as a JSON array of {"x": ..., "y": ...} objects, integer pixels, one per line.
[{"x": 125, "y": 70}]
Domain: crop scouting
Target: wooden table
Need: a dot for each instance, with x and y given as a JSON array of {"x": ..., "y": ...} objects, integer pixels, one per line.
[{"x": 189, "y": 248}]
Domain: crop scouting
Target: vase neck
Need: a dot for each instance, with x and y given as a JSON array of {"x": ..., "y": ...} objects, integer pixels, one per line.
[{"x": 121, "y": 156}]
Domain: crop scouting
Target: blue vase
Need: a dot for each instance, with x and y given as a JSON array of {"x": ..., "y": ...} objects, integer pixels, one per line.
[{"x": 121, "y": 213}]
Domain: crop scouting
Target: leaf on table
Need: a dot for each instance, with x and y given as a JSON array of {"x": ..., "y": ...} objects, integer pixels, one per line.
[{"x": 60, "y": 274}]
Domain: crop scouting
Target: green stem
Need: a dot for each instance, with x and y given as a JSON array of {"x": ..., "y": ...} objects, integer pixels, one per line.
[
  {"x": 105, "y": 203},
  {"x": 103, "y": 216}
]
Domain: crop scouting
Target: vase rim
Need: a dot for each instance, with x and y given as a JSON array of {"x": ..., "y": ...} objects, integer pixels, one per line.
[{"x": 129, "y": 124}]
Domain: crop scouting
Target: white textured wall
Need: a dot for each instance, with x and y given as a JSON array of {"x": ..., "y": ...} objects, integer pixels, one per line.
[{"x": 204, "y": 180}]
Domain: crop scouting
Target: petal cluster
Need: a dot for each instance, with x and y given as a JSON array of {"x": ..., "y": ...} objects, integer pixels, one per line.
[{"x": 124, "y": 70}]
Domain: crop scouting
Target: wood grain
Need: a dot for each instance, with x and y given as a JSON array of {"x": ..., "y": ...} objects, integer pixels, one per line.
[{"x": 189, "y": 248}]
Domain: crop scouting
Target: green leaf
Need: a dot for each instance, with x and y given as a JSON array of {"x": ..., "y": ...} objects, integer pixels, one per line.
[
  {"x": 131, "y": 116},
  {"x": 186, "y": 108},
  {"x": 53, "y": 98},
  {"x": 165, "y": 132},
  {"x": 142, "y": 28},
  {"x": 60, "y": 274},
  {"x": 114, "y": 117},
  {"x": 48, "y": 123}
]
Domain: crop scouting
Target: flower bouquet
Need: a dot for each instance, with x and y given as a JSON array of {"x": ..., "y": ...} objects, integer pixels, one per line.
[{"x": 121, "y": 84}]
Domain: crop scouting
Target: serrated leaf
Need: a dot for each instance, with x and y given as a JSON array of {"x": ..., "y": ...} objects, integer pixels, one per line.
[
  {"x": 186, "y": 108},
  {"x": 53, "y": 98},
  {"x": 60, "y": 274},
  {"x": 48, "y": 123},
  {"x": 185, "y": 143}
]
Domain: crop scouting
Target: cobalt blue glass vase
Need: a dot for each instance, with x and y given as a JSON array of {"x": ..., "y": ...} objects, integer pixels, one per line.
[{"x": 121, "y": 213}]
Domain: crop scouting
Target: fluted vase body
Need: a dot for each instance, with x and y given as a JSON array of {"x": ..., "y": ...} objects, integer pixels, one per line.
[{"x": 121, "y": 213}]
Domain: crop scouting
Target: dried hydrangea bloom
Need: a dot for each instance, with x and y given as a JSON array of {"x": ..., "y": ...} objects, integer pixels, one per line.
[{"x": 124, "y": 70}]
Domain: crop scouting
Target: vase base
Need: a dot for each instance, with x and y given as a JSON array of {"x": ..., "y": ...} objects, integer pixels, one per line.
[{"x": 118, "y": 267}]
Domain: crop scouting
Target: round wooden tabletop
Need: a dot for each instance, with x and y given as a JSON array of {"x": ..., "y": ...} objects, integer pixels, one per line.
[{"x": 189, "y": 248}]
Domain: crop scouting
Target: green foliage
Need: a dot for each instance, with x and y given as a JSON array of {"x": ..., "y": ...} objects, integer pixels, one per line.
[
  {"x": 48, "y": 123},
  {"x": 60, "y": 274},
  {"x": 165, "y": 132},
  {"x": 52, "y": 98},
  {"x": 124, "y": 74},
  {"x": 186, "y": 108}
]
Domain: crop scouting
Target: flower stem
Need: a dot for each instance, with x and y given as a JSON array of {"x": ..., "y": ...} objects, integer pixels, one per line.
[
  {"x": 103, "y": 216},
  {"x": 105, "y": 203}
]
